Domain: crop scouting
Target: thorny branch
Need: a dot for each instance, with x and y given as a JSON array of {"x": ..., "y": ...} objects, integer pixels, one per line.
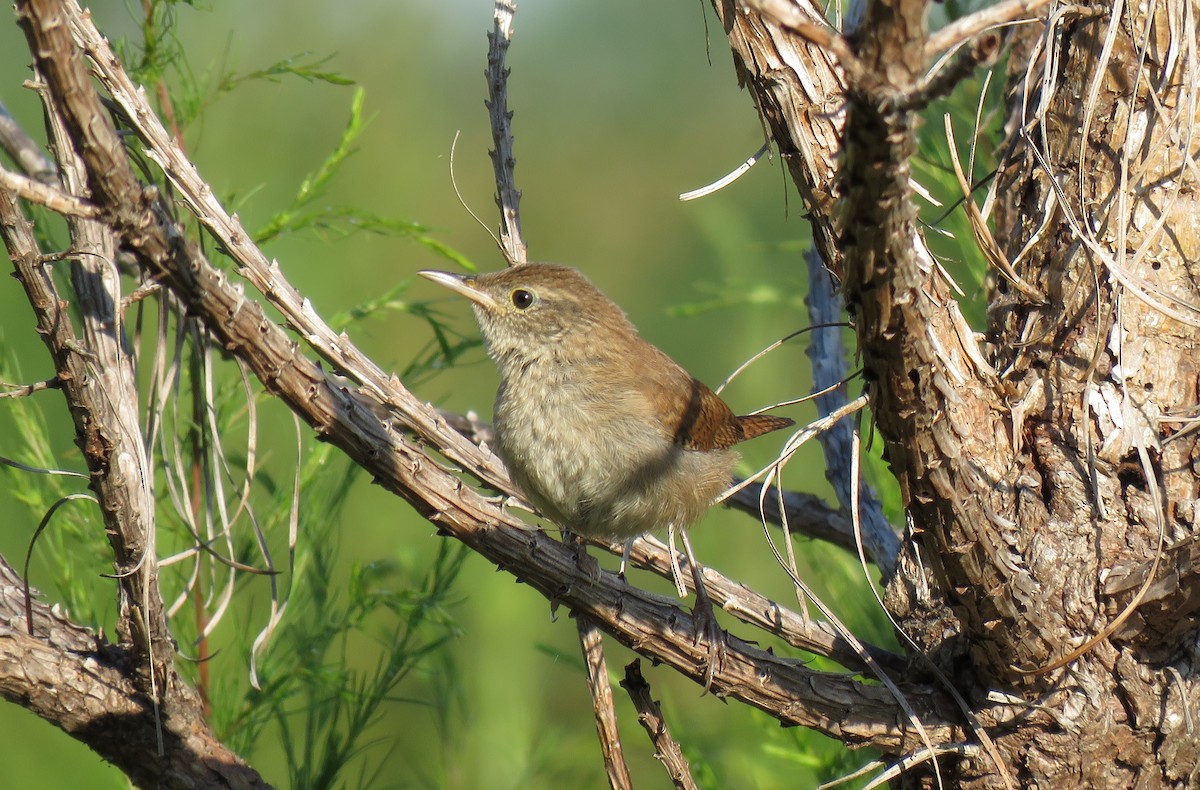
[
  {"x": 97, "y": 692},
  {"x": 504, "y": 161},
  {"x": 650, "y": 716}
]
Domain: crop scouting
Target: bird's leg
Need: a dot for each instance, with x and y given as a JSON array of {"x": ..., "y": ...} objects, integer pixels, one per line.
[
  {"x": 625, "y": 556},
  {"x": 704, "y": 619},
  {"x": 676, "y": 571}
]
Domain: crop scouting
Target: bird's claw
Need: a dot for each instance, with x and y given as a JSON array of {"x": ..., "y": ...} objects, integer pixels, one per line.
[{"x": 704, "y": 621}]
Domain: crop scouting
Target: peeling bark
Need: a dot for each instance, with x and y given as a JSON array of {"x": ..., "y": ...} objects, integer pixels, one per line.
[{"x": 1046, "y": 471}]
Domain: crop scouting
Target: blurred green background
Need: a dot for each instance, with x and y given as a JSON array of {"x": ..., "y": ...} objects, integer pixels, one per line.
[{"x": 620, "y": 106}]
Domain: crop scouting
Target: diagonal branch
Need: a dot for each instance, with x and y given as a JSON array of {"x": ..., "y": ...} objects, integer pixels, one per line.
[
  {"x": 442, "y": 431},
  {"x": 652, "y": 625},
  {"x": 356, "y": 421}
]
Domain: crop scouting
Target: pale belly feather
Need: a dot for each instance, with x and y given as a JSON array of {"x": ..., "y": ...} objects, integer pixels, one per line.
[{"x": 610, "y": 477}]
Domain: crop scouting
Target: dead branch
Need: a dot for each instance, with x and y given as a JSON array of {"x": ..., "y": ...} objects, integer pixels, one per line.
[
  {"x": 590, "y": 640},
  {"x": 94, "y": 692},
  {"x": 650, "y": 716}
]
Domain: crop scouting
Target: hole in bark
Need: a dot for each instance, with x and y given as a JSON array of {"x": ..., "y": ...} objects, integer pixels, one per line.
[
  {"x": 1129, "y": 473},
  {"x": 1156, "y": 265},
  {"x": 1148, "y": 386},
  {"x": 914, "y": 377}
]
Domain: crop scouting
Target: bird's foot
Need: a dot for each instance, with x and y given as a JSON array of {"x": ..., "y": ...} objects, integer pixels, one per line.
[
  {"x": 586, "y": 563},
  {"x": 704, "y": 621},
  {"x": 704, "y": 617},
  {"x": 625, "y": 557}
]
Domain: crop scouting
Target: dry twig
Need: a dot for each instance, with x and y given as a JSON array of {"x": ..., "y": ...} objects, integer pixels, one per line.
[
  {"x": 651, "y": 718},
  {"x": 590, "y": 639}
]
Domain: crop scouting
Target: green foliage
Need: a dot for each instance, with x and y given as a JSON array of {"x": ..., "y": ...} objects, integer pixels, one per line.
[
  {"x": 158, "y": 58},
  {"x": 444, "y": 350},
  {"x": 294, "y": 217},
  {"x": 340, "y": 221},
  {"x": 70, "y": 552},
  {"x": 318, "y": 696}
]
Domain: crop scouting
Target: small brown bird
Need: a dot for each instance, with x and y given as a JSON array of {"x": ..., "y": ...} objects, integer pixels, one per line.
[{"x": 606, "y": 435}]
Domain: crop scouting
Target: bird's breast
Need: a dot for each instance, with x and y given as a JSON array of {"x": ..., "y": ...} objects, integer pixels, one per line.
[{"x": 595, "y": 458}]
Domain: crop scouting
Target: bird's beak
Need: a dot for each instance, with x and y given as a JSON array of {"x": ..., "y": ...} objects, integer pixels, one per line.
[{"x": 463, "y": 284}]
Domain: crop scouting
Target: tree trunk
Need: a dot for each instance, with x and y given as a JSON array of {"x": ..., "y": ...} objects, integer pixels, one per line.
[
  {"x": 1101, "y": 196},
  {"x": 1050, "y": 474}
]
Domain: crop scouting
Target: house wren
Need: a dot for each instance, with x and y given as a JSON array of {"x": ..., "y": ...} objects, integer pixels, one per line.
[{"x": 606, "y": 435}]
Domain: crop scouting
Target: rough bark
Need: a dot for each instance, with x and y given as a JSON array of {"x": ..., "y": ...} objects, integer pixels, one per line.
[
  {"x": 1031, "y": 475},
  {"x": 95, "y": 692},
  {"x": 1098, "y": 207}
]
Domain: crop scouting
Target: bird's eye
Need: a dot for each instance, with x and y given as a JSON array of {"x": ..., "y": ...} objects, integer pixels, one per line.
[{"x": 522, "y": 299}]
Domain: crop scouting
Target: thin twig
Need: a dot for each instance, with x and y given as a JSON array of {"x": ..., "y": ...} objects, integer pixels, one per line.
[
  {"x": 948, "y": 73},
  {"x": 21, "y": 390},
  {"x": 49, "y": 514},
  {"x": 903, "y": 764},
  {"x": 979, "y": 228},
  {"x": 46, "y": 195},
  {"x": 666, "y": 749},
  {"x": 728, "y": 179},
  {"x": 508, "y": 197},
  {"x": 814, "y": 636},
  {"x": 24, "y": 151},
  {"x": 962, "y": 30},
  {"x": 592, "y": 642}
]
